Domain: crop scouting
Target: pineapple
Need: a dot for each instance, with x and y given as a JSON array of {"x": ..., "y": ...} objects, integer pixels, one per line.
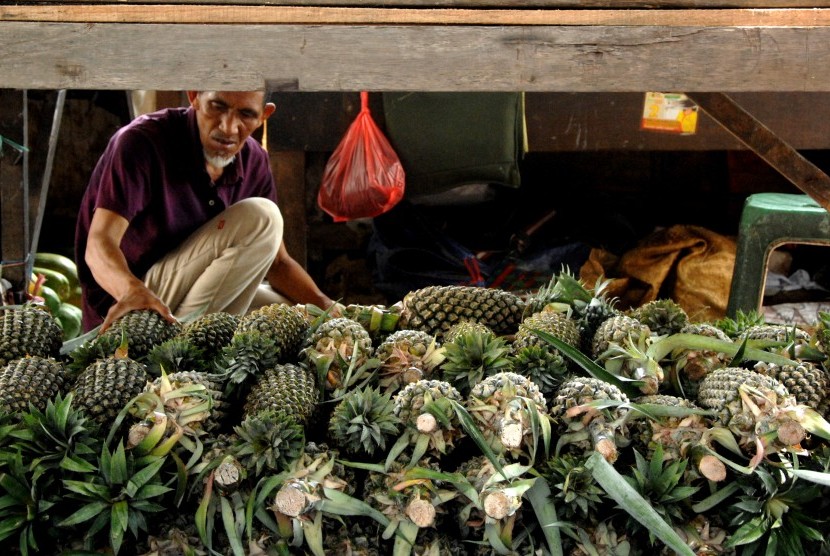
[
  {"x": 737, "y": 326},
  {"x": 107, "y": 385},
  {"x": 435, "y": 309},
  {"x": 538, "y": 359},
  {"x": 631, "y": 360},
  {"x": 210, "y": 332},
  {"x": 582, "y": 424},
  {"x": 689, "y": 366},
  {"x": 264, "y": 337},
  {"x": 289, "y": 388},
  {"x": 379, "y": 320},
  {"x": 340, "y": 351},
  {"x": 574, "y": 488},
  {"x": 175, "y": 355},
  {"x": 363, "y": 421},
  {"x": 806, "y": 381},
  {"x": 28, "y": 330},
  {"x": 616, "y": 330},
  {"x": 503, "y": 406},
  {"x": 406, "y": 356},
  {"x": 143, "y": 329},
  {"x": 663, "y": 317},
  {"x": 429, "y": 419},
  {"x": 758, "y": 409},
  {"x": 32, "y": 380},
  {"x": 472, "y": 352},
  {"x": 267, "y": 442}
]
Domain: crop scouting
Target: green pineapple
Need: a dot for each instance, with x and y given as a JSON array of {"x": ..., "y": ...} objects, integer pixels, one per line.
[
  {"x": 288, "y": 388},
  {"x": 210, "y": 332},
  {"x": 690, "y": 366},
  {"x": 264, "y": 337},
  {"x": 379, "y": 320},
  {"x": 503, "y": 406},
  {"x": 340, "y": 350},
  {"x": 807, "y": 381},
  {"x": 616, "y": 330},
  {"x": 584, "y": 426},
  {"x": 663, "y": 317},
  {"x": 31, "y": 380},
  {"x": 143, "y": 329},
  {"x": 28, "y": 330},
  {"x": 472, "y": 352},
  {"x": 538, "y": 359},
  {"x": 736, "y": 326},
  {"x": 363, "y": 421},
  {"x": 429, "y": 420},
  {"x": 435, "y": 309},
  {"x": 177, "y": 355},
  {"x": 107, "y": 385},
  {"x": 406, "y": 356},
  {"x": 267, "y": 442}
]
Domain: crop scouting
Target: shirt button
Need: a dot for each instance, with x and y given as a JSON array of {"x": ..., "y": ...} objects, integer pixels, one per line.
[{"x": 211, "y": 202}]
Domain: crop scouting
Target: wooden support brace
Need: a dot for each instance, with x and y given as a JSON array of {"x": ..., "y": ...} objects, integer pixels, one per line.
[{"x": 777, "y": 153}]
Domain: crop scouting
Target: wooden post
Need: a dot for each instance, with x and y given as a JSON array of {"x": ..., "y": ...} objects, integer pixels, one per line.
[{"x": 289, "y": 172}]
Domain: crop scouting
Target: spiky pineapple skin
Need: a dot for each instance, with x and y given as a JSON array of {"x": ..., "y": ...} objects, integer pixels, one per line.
[
  {"x": 435, "y": 309},
  {"x": 806, "y": 381},
  {"x": 210, "y": 332},
  {"x": 662, "y": 316},
  {"x": 143, "y": 329},
  {"x": 107, "y": 385},
  {"x": 720, "y": 391},
  {"x": 410, "y": 400},
  {"x": 28, "y": 330},
  {"x": 287, "y": 388},
  {"x": 286, "y": 325},
  {"x": 31, "y": 380},
  {"x": 616, "y": 330}
]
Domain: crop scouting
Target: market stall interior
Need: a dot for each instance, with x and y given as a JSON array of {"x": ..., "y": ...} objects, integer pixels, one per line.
[{"x": 540, "y": 348}]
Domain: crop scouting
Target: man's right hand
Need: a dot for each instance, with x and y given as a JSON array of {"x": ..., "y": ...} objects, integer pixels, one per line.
[{"x": 137, "y": 297}]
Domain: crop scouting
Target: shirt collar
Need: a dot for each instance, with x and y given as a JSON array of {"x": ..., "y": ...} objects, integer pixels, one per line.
[{"x": 233, "y": 173}]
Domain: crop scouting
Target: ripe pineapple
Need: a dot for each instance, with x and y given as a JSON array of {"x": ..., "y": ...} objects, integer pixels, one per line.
[
  {"x": 584, "y": 427},
  {"x": 363, "y": 421},
  {"x": 662, "y": 316},
  {"x": 340, "y": 351},
  {"x": 539, "y": 360},
  {"x": 32, "y": 380},
  {"x": 435, "y": 309},
  {"x": 28, "y": 330},
  {"x": 472, "y": 352},
  {"x": 417, "y": 406},
  {"x": 406, "y": 356},
  {"x": 503, "y": 407},
  {"x": 107, "y": 385}
]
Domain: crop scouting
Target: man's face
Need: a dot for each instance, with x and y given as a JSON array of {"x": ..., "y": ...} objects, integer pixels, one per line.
[{"x": 226, "y": 119}]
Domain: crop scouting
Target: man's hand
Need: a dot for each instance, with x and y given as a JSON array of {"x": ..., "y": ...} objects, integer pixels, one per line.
[{"x": 138, "y": 297}]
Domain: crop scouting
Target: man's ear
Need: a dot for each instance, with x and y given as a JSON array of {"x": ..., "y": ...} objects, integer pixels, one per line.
[
  {"x": 269, "y": 109},
  {"x": 192, "y": 96}
]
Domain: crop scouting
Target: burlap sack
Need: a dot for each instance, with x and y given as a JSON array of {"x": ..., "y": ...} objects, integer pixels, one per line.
[{"x": 689, "y": 264}]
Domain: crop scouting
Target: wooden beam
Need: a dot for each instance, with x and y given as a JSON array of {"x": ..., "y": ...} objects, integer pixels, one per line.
[
  {"x": 522, "y": 4},
  {"x": 315, "y": 15},
  {"x": 776, "y": 152},
  {"x": 413, "y": 57}
]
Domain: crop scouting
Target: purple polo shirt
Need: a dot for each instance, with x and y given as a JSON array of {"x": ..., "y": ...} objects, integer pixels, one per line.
[{"x": 153, "y": 174}]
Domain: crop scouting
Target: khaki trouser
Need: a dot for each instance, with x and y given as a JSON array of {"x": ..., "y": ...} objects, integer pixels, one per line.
[{"x": 221, "y": 265}]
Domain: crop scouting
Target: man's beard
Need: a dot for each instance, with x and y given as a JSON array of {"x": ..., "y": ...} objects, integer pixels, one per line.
[{"x": 218, "y": 161}]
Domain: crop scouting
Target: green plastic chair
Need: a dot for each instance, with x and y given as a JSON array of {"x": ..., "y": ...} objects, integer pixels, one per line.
[{"x": 769, "y": 220}]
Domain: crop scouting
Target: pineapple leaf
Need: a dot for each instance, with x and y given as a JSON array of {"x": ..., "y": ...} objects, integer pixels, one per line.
[
  {"x": 119, "y": 516},
  {"x": 543, "y": 506},
  {"x": 472, "y": 430},
  {"x": 340, "y": 503},
  {"x": 817, "y": 477},
  {"x": 313, "y": 534},
  {"x": 229, "y": 523},
  {"x": 635, "y": 505},
  {"x": 589, "y": 366}
]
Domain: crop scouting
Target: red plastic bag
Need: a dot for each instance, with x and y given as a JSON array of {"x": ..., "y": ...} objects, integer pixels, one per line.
[{"x": 364, "y": 177}]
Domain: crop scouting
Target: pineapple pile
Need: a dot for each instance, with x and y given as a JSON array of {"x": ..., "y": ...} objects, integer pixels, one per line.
[{"x": 460, "y": 421}]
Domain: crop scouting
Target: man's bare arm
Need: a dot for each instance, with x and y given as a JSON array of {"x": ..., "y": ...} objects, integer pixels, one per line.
[{"x": 109, "y": 268}]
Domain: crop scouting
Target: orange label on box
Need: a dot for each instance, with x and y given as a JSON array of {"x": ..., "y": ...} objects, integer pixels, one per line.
[{"x": 669, "y": 112}]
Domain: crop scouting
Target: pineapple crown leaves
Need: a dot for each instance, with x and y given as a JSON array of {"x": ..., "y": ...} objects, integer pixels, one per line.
[
  {"x": 363, "y": 420},
  {"x": 617, "y": 488},
  {"x": 472, "y": 356},
  {"x": 118, "y": 496},
  {"x": 268, "y": 441},
  {"x": 631, "y": 360},
  {"x": 176, "y": 354},
  {"x": 248, "y": 354},
  {"x": 572, "y": 485},
  {"x": 743, "y": 320},
  {"x": 86, "y": 353},
  {"x": 23, "y": 511},
  {"x": 772, "y": 513},
  {"x": 59, "y": 438},
  {"x": 661, "y": 483}
]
